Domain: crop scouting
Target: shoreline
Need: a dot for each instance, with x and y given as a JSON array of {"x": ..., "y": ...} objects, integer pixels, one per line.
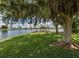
[{"x": 8, "y": 38}]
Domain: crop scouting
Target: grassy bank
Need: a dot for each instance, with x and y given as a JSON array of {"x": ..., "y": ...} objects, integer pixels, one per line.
[{"x": 36, "y": 45}]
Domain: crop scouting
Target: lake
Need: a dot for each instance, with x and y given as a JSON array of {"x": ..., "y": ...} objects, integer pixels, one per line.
[{"x": 9, "y": 33}]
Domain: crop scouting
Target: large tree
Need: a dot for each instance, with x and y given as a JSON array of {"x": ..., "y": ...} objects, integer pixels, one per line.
[{"x": 64, "y": 9}]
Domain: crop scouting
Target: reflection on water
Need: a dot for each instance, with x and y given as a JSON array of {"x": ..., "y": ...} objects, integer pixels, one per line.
[
  {"x": 9, "y": 33},
  {"x": 5, "y": 34}
]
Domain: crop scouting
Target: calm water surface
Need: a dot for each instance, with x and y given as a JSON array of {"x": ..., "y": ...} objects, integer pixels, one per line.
[{"x": 9, "y": 33}]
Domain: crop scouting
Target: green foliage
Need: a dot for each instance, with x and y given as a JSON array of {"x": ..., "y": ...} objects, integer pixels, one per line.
[
  {"x": 4, "y": 27},
  {"x": 75, "y": 26},
  {"x": 75, "y": 38}
]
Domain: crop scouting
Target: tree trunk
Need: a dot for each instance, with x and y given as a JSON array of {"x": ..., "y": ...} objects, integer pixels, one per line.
[
  {"x": 56, "y": 27},
  {"x": 67, "y": 30},
  {"x": 11, "y": 25}
]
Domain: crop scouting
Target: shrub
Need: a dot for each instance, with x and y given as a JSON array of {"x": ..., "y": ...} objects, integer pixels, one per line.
[
  {"x": 43, "y": 27},
  {"x": 4, "y": 27},
  {"x": 75, "y": 27}
]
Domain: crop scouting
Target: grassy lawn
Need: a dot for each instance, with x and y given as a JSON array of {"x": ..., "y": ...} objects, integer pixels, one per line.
[{"x": 36, "y": 45}]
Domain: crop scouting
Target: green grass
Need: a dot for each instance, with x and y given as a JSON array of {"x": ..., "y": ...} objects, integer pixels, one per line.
[{"x": 36, "y": 45}]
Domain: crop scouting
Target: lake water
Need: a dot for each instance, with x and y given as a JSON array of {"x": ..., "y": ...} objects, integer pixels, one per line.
[{"x": 9, "y": 33}]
